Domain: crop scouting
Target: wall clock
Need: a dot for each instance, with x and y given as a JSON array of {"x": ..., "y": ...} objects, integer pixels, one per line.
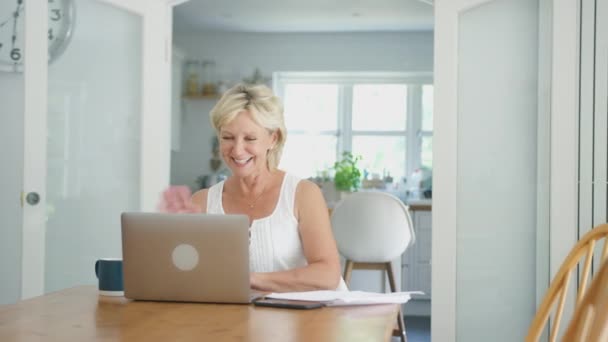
[{"x": 12, "y": 23}]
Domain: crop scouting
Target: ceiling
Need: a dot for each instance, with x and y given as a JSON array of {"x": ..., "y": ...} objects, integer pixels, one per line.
[{"x": 304, "y": 16}]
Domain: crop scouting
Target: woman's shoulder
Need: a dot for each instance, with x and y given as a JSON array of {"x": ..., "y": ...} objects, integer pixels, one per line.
[
  {"x": 302, "y": 186},
  {"x": 307, "y": 186},
  {"x": 309, "y": 200},
  {"x": 306, "y": 191}
]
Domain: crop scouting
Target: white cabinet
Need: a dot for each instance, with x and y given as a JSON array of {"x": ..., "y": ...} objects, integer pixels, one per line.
[{"x": 416, "y": 262}]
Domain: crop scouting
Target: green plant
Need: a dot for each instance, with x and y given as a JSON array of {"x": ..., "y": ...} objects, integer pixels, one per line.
[{"x": 348, "y": 175}]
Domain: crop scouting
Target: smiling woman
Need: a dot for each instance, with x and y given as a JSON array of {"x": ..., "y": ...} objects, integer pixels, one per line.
[
  {"x": 292, "y": 246},
  {"x": 267, "y": 130}
]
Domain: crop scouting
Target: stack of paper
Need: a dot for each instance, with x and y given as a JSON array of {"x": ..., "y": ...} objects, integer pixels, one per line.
[{"x": 342, "y": 298}]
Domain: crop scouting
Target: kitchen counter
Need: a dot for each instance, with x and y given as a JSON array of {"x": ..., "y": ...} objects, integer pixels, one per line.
[
  {"x": 332, "y": 197},
  {"x": 420, "y": 204}
]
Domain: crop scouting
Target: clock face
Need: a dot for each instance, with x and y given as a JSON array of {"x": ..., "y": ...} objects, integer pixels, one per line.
[{"x": 12, "y": 23}]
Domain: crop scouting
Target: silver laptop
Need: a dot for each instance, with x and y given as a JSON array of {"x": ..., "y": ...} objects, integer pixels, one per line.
[{"x": 186, "y": 257}]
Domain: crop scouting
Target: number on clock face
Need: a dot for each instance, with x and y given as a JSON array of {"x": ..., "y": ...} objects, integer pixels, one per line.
[{"x": 12, "y": 20}]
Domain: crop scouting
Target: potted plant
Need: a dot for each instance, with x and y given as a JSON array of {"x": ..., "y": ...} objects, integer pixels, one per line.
[{"x": 347, "y": 177}]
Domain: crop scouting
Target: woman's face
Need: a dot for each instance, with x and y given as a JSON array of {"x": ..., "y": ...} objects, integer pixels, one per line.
[{"x": 244, "y": 145}]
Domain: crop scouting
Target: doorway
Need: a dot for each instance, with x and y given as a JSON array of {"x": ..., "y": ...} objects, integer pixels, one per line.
[{"x": 226, "y": 54}]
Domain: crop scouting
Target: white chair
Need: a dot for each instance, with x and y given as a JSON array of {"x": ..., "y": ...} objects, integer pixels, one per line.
[{"x": 371, "y": 230}]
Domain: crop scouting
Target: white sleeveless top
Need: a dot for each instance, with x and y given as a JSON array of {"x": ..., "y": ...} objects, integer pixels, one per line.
[{"x": 275, "y": 243}]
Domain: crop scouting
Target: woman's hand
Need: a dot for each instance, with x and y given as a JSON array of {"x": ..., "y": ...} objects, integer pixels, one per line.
[
  {"x": 254, "y": 283},
  {"x": 178, "y": 199}
]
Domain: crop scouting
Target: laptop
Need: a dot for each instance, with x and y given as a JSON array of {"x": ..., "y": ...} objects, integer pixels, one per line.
[{"x": 186, "y": 257}]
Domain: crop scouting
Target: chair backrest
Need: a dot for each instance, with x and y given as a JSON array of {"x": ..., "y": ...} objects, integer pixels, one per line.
[
  {"x": 590, "y": 320},
  {"x": 556, "y": 294},
  {"x": 372, "y": 227}
]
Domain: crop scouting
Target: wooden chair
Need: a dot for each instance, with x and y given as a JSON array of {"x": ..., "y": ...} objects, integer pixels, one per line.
[
  {"x": 556, "y": 294},
  {"x": 371, "y": 230},
  {"x": 590, "y": 320}
]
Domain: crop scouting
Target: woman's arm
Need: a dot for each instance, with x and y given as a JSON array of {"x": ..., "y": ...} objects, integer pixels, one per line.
[
  {"x": 199, "y": 199},
  {"x": 323, "y": 269}
]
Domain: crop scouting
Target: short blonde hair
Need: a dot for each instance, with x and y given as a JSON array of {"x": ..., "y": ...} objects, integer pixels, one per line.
[{"x": 265, "y": 108}]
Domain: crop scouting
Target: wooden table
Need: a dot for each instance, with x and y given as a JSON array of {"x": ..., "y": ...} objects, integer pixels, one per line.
[{"x": 80, "y": 314}]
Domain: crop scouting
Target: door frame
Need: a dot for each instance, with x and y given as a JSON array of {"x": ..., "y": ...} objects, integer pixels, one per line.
[
  {"x": 564, "y": 132},
  {"x": 445, "y": 159},
  {"x": 155, "y": 127},
  {"x": 35, "y": 74}
]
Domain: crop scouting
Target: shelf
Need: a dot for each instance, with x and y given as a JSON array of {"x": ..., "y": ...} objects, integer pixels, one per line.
[{"x": 201, "y": 97}]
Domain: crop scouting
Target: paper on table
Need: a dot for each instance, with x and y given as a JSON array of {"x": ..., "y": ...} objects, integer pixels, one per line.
[{"x": 340, "y": 298}]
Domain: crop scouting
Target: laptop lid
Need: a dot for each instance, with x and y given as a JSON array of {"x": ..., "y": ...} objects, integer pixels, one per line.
[{"x": 186, "y": 257}]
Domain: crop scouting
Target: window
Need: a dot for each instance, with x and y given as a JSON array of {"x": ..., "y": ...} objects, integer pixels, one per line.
[
  {"x": 426, "y": 131},
  {"x": 386, "y": 118}
]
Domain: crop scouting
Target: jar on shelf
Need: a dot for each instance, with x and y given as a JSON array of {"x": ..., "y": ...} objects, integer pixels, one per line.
[
  {"x": 209, "y": 80},
  {"x": 192, "y": 75}
]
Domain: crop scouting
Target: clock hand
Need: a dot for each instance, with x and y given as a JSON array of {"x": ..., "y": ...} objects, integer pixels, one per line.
[
  {"x": 10, "y": 17},
  {"x": 15, "y": 18},
  {"x": 6, "y": 21}
]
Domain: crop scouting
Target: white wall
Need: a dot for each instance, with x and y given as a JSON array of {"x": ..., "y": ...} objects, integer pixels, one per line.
[
  {"x": 238, "y": 54},
  {"x": 11, "y": 179},
  {"x": 496, "y": 174},
  {"x": 192, "y": 158}
]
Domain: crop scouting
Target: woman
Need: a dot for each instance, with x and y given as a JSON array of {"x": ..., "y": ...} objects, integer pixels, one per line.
[{"x": 292, "y": 247}]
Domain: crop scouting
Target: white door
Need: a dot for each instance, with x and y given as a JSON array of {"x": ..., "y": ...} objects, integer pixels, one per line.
[
  {"x": 88, "y": 147},
  {"x": 491, "y": 179},
  {"x": 82, "y": 147}
]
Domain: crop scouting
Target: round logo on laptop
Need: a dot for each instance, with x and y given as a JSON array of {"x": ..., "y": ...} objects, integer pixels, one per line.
[{"x": 185, "y": 257}]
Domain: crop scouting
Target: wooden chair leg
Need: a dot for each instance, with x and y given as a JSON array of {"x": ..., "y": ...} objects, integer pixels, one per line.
[
  {"x": 348, "y": 270},
  {"x": 391, "y": 276},
  {"x": 400, "y": 331}
]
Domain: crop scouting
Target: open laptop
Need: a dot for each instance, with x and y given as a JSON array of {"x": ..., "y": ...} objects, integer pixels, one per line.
[{"x": 186, "y": 257}]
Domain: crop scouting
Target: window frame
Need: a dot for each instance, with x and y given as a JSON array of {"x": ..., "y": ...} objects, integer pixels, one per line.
[{"x": 346, "y": 80}]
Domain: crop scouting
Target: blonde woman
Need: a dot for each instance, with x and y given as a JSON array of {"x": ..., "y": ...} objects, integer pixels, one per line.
[{"x": 292, "y": 247}]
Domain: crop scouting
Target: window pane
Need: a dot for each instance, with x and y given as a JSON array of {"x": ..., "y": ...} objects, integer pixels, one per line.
[
  {"x": 427, "y": 108},
  {"x": 311, "y": 107},
  {"x": 299, "y": 159},
  {"x": 426, "y": 152},
  {"x": 379, "y": 107},
  {"x": 381, "y": 155}
]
